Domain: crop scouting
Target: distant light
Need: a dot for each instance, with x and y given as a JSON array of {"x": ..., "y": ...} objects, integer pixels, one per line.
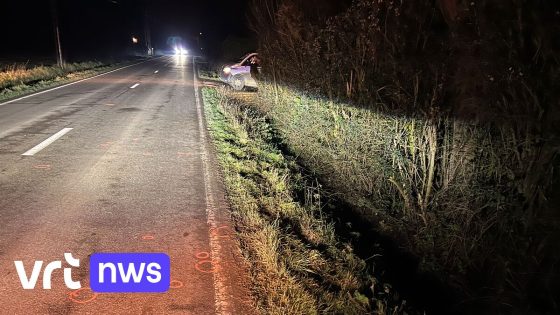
[
  {"x": 181, "y": 51},
  {"x": 227, "y": 70},
  {"x": 134, "y": 40},
  {"x": 200, "y": 34}
]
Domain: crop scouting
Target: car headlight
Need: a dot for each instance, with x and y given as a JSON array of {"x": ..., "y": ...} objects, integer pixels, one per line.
[{"x": 227, "y": 70}]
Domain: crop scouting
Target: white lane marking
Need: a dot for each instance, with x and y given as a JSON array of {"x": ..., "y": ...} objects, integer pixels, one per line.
[
  {"x": 75, "y": 82},
  {"x": 220, "y": 287},
  {"x": 135, "y": 85},
  {"x": 47, "y": 142},
  {"x": 156, "y": 71}
]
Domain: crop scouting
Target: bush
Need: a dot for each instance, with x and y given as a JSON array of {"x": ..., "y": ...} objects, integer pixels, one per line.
[{"x": 438, "y": 120}]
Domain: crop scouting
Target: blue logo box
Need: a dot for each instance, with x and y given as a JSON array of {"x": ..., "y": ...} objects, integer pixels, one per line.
[{"x": 129, "y": 272}]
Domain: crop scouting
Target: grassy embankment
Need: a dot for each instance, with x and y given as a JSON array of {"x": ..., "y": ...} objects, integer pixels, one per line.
[
  {"x": 208, "y": 70},
  {"x": 438, "y": 121},
  {"x": 443, "y": 189},
  {"x": 17, "y": 80},
  {"x": 298, "y": 263},
  {"x": 444, "y": 197}
]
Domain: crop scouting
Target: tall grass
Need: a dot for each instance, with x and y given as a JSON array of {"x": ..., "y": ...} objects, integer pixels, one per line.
[
  {"x": 298, "y": 263},
  {"x": 20, "y": 75},
  {"x": 438, "y": 120},
  {"x": 454, "y": 193}
]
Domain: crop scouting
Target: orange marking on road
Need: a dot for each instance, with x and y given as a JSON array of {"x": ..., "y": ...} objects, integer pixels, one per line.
[
  {"x": 148, "y": 154},
  {"x": 213, "y": 266},
  {"x": 148, "y": 237},
  {"x": 74, "y": 296},
  {"x": 202, "y": 255},
  {"x": 175, "y": 284},
  {"x": 42, "y": 166}
]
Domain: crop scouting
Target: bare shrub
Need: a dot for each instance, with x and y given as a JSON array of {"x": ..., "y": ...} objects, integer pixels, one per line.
[{"x": 439, "y": 120}]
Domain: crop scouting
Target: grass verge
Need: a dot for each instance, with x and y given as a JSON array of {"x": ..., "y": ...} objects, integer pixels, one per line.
[
  {"x": 17, "y": 80},
  {"x": 457, "y": 195},
  {"x": 208, "y": 71},
  {"x": 298, "y": 263}
]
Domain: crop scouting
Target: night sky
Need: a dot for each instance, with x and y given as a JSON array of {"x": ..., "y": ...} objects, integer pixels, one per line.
[{"x": 103, "y": 28}]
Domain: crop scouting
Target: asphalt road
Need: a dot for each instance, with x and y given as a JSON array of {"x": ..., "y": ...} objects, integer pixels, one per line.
[{"x": 135, "y": 173}]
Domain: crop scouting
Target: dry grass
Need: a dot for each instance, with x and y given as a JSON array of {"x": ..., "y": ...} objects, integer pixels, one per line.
[
  {"x": 18, "y": 79},
  {"x": 445, "y": 189},
  {"x": 453, "y": 150},
  {"x": 20, "y": 74},
  {"x": 298, "y": 264}
]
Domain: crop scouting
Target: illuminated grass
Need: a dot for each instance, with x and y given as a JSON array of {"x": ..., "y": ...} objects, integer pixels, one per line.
[
  {"x": 452, "y": 152},
  {"x": 18, "y": 80},
  {"x": 443, "y": 189},
  {"x": 298, "y": 264}
]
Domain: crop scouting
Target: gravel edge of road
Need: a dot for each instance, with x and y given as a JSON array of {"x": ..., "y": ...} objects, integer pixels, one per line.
[{"x": 232, "y": 288}]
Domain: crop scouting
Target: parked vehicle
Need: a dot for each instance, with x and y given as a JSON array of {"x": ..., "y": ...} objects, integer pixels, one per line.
[{"x": 241, "y": 75}]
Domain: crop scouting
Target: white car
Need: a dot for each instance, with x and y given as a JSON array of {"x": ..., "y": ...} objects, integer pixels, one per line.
[{"x": 241, "y": 75}]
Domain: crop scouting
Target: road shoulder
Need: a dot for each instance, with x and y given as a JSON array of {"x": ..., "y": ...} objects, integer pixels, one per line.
[{"x": 231, "y": 279}]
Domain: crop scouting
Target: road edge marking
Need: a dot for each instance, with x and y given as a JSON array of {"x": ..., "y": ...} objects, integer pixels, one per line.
[
  {"x": 220, "y": 287},
  {"x": 75, "y": 82},
  {"x": 36, "y": 149},
  {"x": 135, "y": 86}
]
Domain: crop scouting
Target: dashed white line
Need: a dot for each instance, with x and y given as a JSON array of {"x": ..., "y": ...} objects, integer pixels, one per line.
[
  {"x": 135, "y": 85},
  {"x": 156, "y": 71},
  {"x": 47, "y": 142}
]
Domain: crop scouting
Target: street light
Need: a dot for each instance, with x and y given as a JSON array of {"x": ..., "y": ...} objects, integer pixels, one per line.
[
  {"x": 134, "y": 40},
  {"x": 198, "y": 40}
]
